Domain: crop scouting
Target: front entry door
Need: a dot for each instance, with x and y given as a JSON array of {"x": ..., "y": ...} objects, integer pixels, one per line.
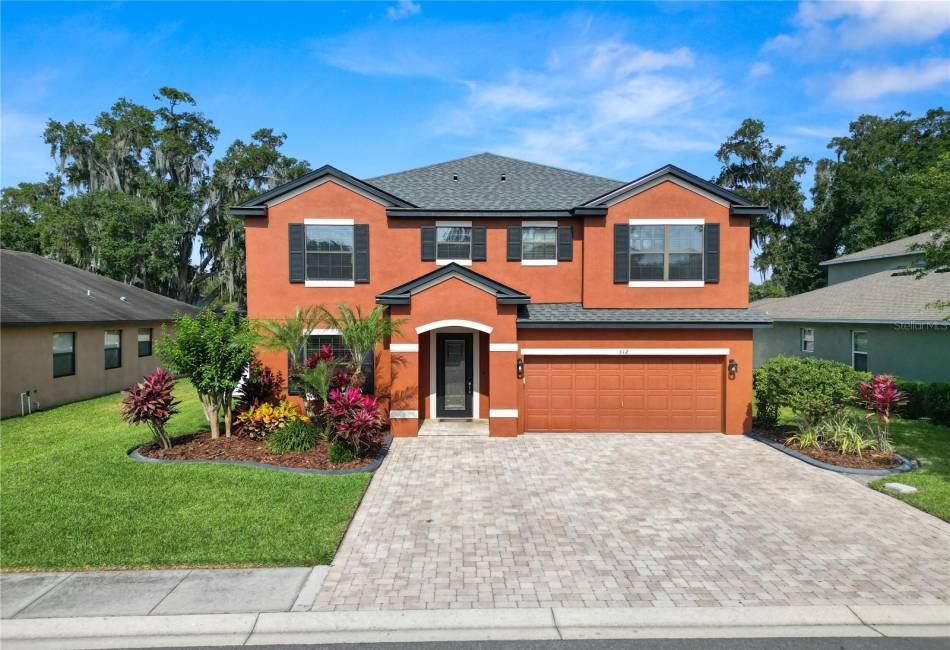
[{"x": 453, "y": 363}]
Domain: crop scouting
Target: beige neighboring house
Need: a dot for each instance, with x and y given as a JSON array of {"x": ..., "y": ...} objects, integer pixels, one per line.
[{"x": 67, "y": 334}]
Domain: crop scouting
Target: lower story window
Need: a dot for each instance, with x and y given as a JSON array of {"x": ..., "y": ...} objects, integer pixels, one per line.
[
  {"x": 316, "y": 342},
  {"x": 859, "y": 350},
  {"x": 808, "y": 339},
  {"x": 113, "y": 349},
  {"x": 64, "y": 354},
  {"x": 145, "y": 341}
]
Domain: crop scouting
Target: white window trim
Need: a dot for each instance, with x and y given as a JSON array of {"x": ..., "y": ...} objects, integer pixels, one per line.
[
  {"x": 668, "y": 221},
  {"x": 538, "y": 262},
  {"x": 329, "y": 222},
  {"x": 669, "y": 284},
  {"x": 324, "y": 284},
  {"x": 801, "y": 339},
  {"x": 539, "y": 224},
  {"x": 502, "y": 347},
  {"x": 459, "y": 262},
  {"x": 324, "y": 332},
  {"x": 853, "y": 352},
  {"x": 621, "y": 352},
  {"x": 433, "y": 383},
  {"x": 502, "y": 413},
  {"x": 453, "y": 224},
  {"x": 403, "y": 347},
  {"x": 404, "y": 415}
]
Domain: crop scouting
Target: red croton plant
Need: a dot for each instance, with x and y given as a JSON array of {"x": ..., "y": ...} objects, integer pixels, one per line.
[
  {"x": 355, "y": 418},
  {"x": 151, "y": 402},
  {"x": 881, "y": 398}
]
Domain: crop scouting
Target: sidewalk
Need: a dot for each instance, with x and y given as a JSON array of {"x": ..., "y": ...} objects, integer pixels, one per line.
[{"x": 205, "y": 607}]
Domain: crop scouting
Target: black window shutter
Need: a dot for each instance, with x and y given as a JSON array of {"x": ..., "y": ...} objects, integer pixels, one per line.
[
  {"x": 621, "y": 253},
  {"x": 369, "y": 374},
  {"x": 514, "y": 243},
  {"x": 565, "y": 243},
  {"x": 479, "y": 247},
  {"x": 428, "y": 243},
  {"x": 361, "y": 253},
  {"x": 711, "y": 252},
  {"x": 297, "y": 239}
]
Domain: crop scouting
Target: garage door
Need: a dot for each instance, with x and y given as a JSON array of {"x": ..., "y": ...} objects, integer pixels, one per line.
[{"x": 635, "y": 394}]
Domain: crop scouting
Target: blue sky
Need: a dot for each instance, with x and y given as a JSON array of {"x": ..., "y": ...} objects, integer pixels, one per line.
[{"x": 613, "y": 89}]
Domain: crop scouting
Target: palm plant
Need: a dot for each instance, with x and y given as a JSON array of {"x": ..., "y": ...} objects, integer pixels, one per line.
[
  {"x": 360, "y": 333},
  {"x": 289, "y": 334}
]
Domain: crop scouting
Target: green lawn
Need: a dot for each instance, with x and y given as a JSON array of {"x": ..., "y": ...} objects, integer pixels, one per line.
[
  {"x": 71, "y": 498},
  {"x": 930, "y": 445}
]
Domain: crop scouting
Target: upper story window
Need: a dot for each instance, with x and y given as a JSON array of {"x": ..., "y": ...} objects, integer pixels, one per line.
[
  {"x": 113, "y": 348},
  {"x": 64, "y": 354},
  {"x": 145, "y": 341},
  {"x": 666, "y": 253},
  {"x": 329, "y": 252},
  {"x": 539, "y": 243},
  {"x": 808, "y": 339},
  {"x": 859, "y": 350},
  {"x": 453, "y": 243}
]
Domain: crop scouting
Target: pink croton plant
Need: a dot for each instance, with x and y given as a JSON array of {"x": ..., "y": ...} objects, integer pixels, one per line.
[{"x": 881, "y": 398}]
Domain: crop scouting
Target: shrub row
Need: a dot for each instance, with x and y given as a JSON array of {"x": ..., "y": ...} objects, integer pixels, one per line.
[
  {"x": 812, "y": 388},
  {"x": 926, "y": 400}
]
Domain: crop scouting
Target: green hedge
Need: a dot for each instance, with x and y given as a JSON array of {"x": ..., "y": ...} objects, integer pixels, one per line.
[
  {"x": 926, "y": 400},
  {"x": 813, "y": 388}
]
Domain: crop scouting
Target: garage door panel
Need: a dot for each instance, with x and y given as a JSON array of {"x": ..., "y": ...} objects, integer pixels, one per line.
[{"x": 636, "y": 394}]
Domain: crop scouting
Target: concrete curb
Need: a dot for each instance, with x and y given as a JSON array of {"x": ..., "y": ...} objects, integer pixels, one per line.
[
  {"x": 372, "y": 467},
  {"x": 474, "y": 625},
  {"x": 905, "y": 466}
]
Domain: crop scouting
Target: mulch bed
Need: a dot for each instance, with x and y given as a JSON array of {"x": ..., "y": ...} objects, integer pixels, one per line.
[
  {"x": 200, "y": 446},
  {"x": 868, "y": 460}
]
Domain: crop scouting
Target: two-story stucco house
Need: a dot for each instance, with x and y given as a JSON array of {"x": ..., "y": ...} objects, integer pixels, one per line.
[{"x": 534, "y": 298}]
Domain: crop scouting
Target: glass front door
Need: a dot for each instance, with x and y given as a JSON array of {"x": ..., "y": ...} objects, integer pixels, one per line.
[{"x": 454, "y": 375}]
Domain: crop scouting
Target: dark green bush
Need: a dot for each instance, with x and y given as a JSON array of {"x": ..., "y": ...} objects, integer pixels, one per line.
[
  {"x": 812, "y": 388},
  {"x": 937, "y": 402},
  {"x": 340, "y": 452},
  {"x": 915, "y": 393},
  {"x": 297, "y": 435}
]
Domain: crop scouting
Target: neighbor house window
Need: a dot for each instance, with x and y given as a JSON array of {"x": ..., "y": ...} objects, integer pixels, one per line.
[
  {"x": 64, "y": 354},
  {"x": 329, "y": 252},
  {"x": 808, "y": 339},
  {"x": 666, "y": 252},
  {"x": 113, "y": 348},
  {"x": 453, "y": 243},
  {"x": 539, "y": 243},
  {"x": 145, "y": 341},
  {"x": 859, "y": 350}
]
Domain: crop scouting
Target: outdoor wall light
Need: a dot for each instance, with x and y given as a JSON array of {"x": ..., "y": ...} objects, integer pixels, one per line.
[
  {"x": 519, "y": 365},
  {"x": 733, "y": 368}
]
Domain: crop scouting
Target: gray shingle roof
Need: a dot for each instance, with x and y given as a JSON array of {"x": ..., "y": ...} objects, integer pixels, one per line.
[
  {"x": 888, "y": 296},
  {"x": 890, "y": 249},
  {"x": 35, "y": 290},
  {"x": 527, "y": 186},
  {"x": 572, "y": 314}
]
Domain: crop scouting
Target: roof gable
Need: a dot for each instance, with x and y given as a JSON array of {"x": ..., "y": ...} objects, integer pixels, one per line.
[{"x": 402, "y": 295}]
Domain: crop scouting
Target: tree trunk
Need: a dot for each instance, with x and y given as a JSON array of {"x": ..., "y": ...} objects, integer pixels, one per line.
[
  {"x": 214, "y": 422},
  {"x": 227, "y": 414}
]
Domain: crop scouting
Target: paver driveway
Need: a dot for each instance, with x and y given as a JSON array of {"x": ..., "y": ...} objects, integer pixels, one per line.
[{"x": 627, "y": 521}]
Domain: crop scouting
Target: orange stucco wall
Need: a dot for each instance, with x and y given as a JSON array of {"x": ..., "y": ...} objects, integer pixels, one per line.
[{"x": 666, "y": 200}]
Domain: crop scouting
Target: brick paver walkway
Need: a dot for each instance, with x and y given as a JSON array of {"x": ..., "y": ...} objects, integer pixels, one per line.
[{"x": 627, "y": 521}]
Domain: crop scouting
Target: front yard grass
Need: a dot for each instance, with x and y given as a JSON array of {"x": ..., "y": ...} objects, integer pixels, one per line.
[
  {"x": 71, "y": 498},
  {"x": 927, "y": 442}
]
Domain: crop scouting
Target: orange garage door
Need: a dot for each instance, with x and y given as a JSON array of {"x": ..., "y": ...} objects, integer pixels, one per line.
[{"x": 635, "y": 394}]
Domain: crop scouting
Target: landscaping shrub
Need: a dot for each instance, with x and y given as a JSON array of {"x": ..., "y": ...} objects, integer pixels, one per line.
[
  {"x": 813, "y": 388},
  {"x": 262, "y": 386},
  {"x": 937, "y": 402},
  {"x": 915, "y": 393},
  {"x": 340, "y": 452},
  {"x": 881, "y": 399},
  {"x": 151, "y": 402},
  {"x": 354, "y": 419},
  {"x": 846, "y": 434},
  {"x": 296, "y": 435},
  {"x": 262, "y": 421}
]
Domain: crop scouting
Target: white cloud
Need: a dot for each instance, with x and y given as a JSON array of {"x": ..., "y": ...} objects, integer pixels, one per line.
[
  {"x": 403, "y": 9},
  {"x": 862, "y": 24},
  {"x": 507, "y": 96},
  {"x": 873, "y": 82},
  {"x": 759, "y": 70},
  {"x": 619, "y": 59}
]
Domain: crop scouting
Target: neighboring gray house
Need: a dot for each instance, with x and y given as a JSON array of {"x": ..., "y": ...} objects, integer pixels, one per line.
[{"x": 875, "y": 315}]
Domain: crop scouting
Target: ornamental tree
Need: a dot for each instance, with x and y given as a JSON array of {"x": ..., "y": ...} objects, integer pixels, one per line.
[
  {"x": 881, "y": 398},
  {"x": 151, "y": 402}
]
